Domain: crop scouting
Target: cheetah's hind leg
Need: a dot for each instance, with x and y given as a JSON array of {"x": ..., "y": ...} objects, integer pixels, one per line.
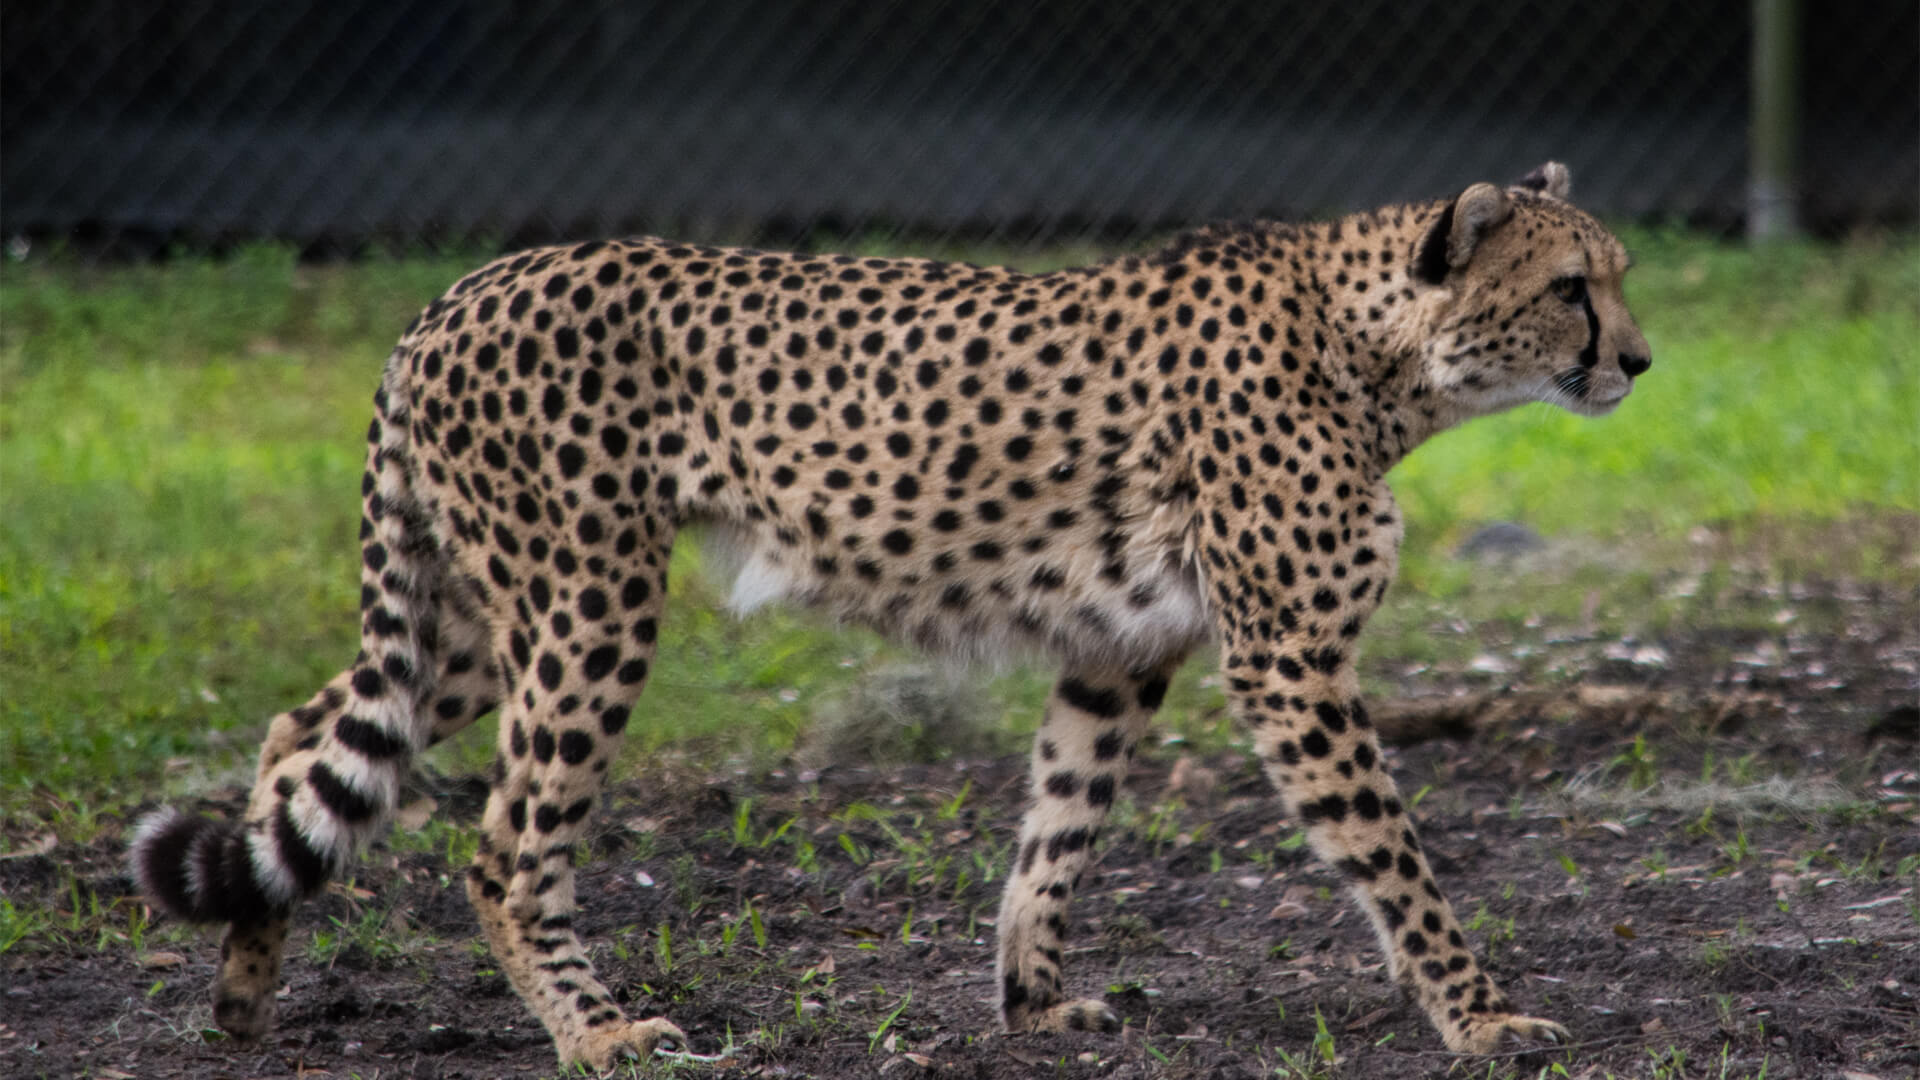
[
  {"x": 1094, "y": 719},
  {"x": 561, "y": 728}
]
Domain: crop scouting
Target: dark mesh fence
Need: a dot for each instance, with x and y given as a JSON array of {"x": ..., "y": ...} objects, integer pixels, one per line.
[{"x": 201, "y": 121}]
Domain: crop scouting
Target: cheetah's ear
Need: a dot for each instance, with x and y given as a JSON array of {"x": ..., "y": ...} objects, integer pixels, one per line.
[
  {"x": 1553, "y": 180},
  {"x": 1450, "y": 242}
]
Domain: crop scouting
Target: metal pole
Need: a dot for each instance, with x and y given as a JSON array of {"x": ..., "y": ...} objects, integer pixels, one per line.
[{"x": 1774, "y": 123}]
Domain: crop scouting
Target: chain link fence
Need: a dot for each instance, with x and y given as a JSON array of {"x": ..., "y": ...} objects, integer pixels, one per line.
[{"x": 132, "y": 126}]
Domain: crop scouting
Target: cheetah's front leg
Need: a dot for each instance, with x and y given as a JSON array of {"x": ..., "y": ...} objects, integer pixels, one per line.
[
  {"x": 1317, "y": 743},
  {"x": 1080, "y": 755},
  {"x": 1290, "y": 604},
  {"x": 1319, "y": 748}
]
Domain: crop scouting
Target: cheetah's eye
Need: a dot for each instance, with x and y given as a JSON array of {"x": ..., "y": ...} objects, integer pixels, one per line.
[{"x": 1572, "y": 288}]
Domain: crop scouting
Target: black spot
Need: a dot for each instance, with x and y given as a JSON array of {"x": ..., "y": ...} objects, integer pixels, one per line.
[
  {"x": 575, "y": 747},
  {"x": 1101, "y": 702},
  {"x": 1367, "y": 804},
  {"x": 1100, "y": 791},
  {"x": 307, "y": 866},
  {"x": 1391, "y": 914},
  {"x": 1067, "y": 842},
  {"x": 1012, "y": 993},
  {"x": 1355, "y": 869},
  {"x": 1152, "y": 693},
  {"x": 1047, "y": 577},
  {"x": 346, "y": 804},
  {"x": 368, "y": 683},
  {"x": 634, "y": 592},
  {"x": 601, "y": 661},
  {"x": 592, "y": 603},
  {"x": 366, "y": 739}
]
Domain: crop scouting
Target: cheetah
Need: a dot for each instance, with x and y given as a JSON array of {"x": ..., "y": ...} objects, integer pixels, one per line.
[{"x": 1114, "y": 464}]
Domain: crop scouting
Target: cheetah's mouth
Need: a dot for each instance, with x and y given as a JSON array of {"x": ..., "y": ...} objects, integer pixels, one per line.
[
  {"x": 1574, "y": 383},
  {"x": 1600, "y": 406},
  {"x": 1573, "y": 389}
]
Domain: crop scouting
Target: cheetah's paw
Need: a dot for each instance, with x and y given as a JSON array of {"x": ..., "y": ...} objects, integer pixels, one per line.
[
  {"x": 636, "y": 1041},
  {"x": 1491, "y": 1034},
  {"x": 1085, "y": 1014},
  {"x": 242, "y": 1015}
]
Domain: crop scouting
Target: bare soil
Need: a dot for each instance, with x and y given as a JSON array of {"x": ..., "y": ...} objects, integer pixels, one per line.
[{"x": 1762, "y": 923}]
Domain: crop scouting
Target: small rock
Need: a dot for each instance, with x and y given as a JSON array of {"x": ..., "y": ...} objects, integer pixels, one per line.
[
  {"x": 1293, "y": 903},
  {"x": 1499, "y": 541}
]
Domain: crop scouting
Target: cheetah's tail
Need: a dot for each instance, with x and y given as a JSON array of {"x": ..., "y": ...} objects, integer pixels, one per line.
[
  {"x": 198, "y": 869},
  {"x": 312, "y": 808}
]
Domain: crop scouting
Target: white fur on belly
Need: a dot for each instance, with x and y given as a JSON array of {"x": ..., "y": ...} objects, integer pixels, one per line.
[
  {"x": 1174, "y": 621},
  {"x": 758, "y": 583}
]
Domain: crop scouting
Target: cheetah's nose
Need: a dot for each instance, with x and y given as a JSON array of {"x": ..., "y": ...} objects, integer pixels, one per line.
[{"x": 1634, "y": 365}]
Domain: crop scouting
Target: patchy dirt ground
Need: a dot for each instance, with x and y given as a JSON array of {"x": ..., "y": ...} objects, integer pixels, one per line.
[{"x": 1703, "y": 862}]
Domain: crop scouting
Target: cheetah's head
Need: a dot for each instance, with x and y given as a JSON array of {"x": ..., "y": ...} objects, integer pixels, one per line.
[{"x": 1519, "y": 299}]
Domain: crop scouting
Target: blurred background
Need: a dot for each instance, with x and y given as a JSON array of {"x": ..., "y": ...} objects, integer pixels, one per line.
[{"x": 133, "y": 127}]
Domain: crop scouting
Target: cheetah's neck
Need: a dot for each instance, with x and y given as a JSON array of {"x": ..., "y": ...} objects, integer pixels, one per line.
[{"x": 1347, "y": 310}]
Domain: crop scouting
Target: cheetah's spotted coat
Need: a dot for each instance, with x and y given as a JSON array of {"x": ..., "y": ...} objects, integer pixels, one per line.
[{"x": 1115, "y": 464}]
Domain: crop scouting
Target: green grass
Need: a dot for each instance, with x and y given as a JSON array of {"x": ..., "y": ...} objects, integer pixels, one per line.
[{"x": 180, "y": 446}]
